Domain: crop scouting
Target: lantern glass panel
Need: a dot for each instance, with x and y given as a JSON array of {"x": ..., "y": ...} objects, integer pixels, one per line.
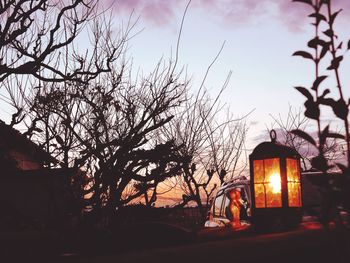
[
  {"x": 293, "y": 179},
  {"x": 259, "y": 175},
  {"x": 267, "y": 183},
  {"x": 259, "y": 190},
  {"x": 259, "y": 178},
  {"x": 273, "y": 182}
]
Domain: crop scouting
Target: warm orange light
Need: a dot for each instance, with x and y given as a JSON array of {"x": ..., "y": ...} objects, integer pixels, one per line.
[
  {"x": 275, "y": 182},
  {"x": 293, "y": 179},
  {"x": 267, "y": 183}
]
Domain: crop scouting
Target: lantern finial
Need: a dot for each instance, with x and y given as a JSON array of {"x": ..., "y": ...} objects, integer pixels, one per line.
[{"x": 273, "y": 135}]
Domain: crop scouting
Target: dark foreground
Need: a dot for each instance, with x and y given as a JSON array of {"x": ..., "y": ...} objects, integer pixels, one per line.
[{"x": 311, "y": 242}]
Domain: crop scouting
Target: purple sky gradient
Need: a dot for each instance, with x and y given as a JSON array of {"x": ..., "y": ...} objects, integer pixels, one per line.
[
  {"x": 260, "y": 35},
  {"x": 227, "y": 12}
]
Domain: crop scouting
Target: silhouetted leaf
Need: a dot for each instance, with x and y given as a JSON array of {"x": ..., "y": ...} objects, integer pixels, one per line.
[
  {"x": 326, "y": 134},
  {"x": 312, "y": 110},
  {"x": 349, "y": 45},
  {"x": 325, "y": 92},
  {"x": 336, "y": 135},
  {"x": 340, "y": 45},
  {"x": 324, "y": 50},
  {"x": 303, "y": 54},
  {"x": 313, "y": 43},
  {"x": 323, "y": 135},
  {"x": 329, "y": 33},
  {"x": 339, "y": 107},
  {"x": 335, "y": 63},
  {"x": 317, "y": 82},
  {"x": 304, "y": 136},
  {"x": 305, "y": 92},
  {"x": 319, "y": 17},
  {"x": 326, "y": 101},
  {"x": 309, "y": 2},
  {"x": 333, "y": 16}
]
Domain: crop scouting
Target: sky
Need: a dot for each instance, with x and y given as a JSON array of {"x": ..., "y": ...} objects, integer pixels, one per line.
[{"x": 260, "y": 37}]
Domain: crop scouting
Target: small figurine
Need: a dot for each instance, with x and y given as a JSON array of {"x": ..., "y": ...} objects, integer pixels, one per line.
[{"x": 235, "y": 207}]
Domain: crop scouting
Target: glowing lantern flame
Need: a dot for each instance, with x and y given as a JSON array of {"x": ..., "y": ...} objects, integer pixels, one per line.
[{"x": 275, "y": 182}]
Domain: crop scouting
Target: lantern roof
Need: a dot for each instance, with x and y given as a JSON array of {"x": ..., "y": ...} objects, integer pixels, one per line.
[{"x": 273, "y": 149}]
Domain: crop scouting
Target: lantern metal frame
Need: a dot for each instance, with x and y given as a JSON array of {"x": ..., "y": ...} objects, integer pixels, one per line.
[{"x": 284, "y": 215}]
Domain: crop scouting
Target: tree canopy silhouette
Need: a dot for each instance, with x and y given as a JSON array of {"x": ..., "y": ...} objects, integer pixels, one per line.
[
  {"x": 109, "y": 126},
  {"x": 34, "y": 34}
]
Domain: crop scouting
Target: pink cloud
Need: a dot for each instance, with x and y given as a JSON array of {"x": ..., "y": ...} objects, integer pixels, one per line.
[
  {"x": 228, "y": 12},
  {"x": 294, "y": 15},
  {"x": 158, "y": 12}
]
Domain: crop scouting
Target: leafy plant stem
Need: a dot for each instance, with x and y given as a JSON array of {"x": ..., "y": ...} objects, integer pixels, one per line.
[
  {"x": 317, "y": 10},
  {"x": 339, "y": 85}
]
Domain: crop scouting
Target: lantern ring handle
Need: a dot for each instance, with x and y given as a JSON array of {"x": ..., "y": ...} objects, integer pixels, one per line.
[{"x": 273, "y": 135}]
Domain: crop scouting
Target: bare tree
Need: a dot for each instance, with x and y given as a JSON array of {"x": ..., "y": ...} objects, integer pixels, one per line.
[
  {"x": 113, "y": 125},
  {"x": 34, "y": 33},
  {"x": 102, "y": 122},
  {"x": 295, "y": 120},
  {"x": 226, "y": 154},
  {"x": 108, "y": 127},
  {"x": 104, "y": 47},
  {"x": 212, "y": 144}
]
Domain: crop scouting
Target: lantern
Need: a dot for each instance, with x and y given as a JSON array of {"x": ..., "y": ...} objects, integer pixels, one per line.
[{"x": 275, "y": 184}]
